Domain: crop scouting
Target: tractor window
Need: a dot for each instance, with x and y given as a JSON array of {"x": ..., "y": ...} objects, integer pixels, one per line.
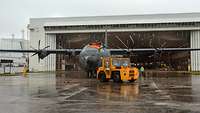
[
  {"x": 120, "y": 62},
  {"x": 124, "y": 63},
  {"x": 116, "y": 63}
]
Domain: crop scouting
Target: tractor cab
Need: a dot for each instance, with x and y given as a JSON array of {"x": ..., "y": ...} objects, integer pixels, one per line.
[{"x": 117, "y": 69}]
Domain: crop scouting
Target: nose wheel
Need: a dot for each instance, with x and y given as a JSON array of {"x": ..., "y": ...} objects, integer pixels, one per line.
[{"x": 91, "y": 74}]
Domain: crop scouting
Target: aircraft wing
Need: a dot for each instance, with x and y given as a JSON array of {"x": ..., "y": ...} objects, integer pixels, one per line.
[
  {"x": 53, "y": 51},
  {"x": 112, "y": 51},
  {"x": 57, "y": 51},
  {"x": 17, "y": 51},
  {"x": 125, "y": 51}
]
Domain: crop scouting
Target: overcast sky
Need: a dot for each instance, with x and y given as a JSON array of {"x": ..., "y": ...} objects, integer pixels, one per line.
[{"x": 15, "y": 14}]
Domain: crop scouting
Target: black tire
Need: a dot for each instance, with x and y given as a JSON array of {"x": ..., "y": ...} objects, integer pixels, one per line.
[
  {"x": 94, "y": 74},
  {"x": 89, "y": 74},
  {"x": 132, "y": 80},
  {"x": 102, "y": 77},
  {"x": 117, "y": 77}
]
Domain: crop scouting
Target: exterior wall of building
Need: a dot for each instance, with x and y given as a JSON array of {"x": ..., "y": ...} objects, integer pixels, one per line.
[
  {"x": 36, "y": 33},
  {"x": 195, "y": 55},
  {"x": 18, "y": 60},
  {"x": 13, "y": 44},
  {"x": 50, "y": 60}
]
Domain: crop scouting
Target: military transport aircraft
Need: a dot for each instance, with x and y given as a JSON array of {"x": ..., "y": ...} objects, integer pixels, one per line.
[{"x": 90, "y": 55}]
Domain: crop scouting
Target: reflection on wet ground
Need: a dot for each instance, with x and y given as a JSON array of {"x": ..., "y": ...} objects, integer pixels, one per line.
[{"x": 73, "y": 92}]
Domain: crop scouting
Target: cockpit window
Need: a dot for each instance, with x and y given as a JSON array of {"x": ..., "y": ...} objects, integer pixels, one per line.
[
  {"x": 116, "y": 63},
  {"x": 91, "y": 51}
]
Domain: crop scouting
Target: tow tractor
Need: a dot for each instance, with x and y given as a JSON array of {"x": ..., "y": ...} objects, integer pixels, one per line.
[{"x": 117, "y": 69}]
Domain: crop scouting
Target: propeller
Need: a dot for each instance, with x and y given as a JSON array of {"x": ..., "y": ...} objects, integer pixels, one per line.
[
  {"x": 127, "y": 45},
  {"x": 22, "y": 49},
  {"x": 157, "y": 53},
  {"x": 121, "y": 41},
  {"x": 42, "y": 53},
  {"x": 130, "y": 42}
]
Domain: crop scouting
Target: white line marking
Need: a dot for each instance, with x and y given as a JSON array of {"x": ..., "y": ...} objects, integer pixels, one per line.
[
  {"x": 154, "y": 85},
  {"x": 70, "y": 86},
  {"x": 158, "y": 90},
  {"x": 76, "y": 92}
]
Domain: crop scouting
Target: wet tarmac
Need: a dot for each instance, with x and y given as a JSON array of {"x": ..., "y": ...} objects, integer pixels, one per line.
[{"x": 74, "y": 93}]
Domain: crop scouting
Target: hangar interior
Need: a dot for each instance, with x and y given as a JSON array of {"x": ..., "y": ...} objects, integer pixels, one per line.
[{"x": 125, "y": 40}]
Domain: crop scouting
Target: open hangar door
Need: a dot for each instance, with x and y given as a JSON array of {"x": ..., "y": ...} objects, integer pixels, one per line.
[
  {"x": 161, "y": 39},
  {"x": 124, "y": 40}
]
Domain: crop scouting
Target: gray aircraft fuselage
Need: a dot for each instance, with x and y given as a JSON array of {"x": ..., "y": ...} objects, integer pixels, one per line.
[{"x": 90, "y": 56}]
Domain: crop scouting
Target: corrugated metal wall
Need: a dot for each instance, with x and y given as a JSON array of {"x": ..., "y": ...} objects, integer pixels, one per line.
[
  {"x": 10, "y": 44},
  {"x": 195, "y": 55},
  {"x": 50, "y": 60}
]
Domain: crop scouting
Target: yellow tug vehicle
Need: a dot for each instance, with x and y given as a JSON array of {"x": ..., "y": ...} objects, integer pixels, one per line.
[{"x": 117, "y": 69}]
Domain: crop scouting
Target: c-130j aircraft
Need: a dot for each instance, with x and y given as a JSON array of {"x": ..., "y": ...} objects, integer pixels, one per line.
[{"x": 90, "y": 55}]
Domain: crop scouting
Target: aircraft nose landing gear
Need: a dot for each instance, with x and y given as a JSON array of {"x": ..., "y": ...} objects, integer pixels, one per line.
[{"x": 91, "y": 74}]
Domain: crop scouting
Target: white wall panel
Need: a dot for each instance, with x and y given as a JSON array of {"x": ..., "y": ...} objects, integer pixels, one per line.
[
  {"x": 35, "y": 35},
  {"x": 50, "y": 60},
  {"x": 195, "y": 55}
]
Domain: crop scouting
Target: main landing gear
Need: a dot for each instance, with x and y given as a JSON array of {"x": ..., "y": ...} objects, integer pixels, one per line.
[{"x": 91, "y": 74}]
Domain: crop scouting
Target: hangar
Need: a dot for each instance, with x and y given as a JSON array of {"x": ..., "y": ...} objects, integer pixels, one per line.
[{"x": 149, "y": 30}]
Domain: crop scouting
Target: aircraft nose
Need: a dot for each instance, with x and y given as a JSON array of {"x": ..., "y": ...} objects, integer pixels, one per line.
[{"x": 92, "y": 61}]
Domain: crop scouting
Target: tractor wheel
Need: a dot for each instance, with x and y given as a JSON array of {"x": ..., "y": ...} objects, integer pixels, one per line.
[
  {"x": 102, "y": 77},
  {"x": 132, "y": 80},
  {"x": 117, "y": 77}
]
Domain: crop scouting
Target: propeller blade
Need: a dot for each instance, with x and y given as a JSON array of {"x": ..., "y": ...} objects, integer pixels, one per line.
[
  {"x": 21, "y": 45},
  {"x": 128, "y": 45},
  {"x": 127, "y": 42},
  {"x": 34, "y": 54},
  {"x": 60, "y": 47},
  {"x": 39, "y": 45},
  {"x": 39, "y": 51},
  {"x": 132, "y": 40},
  {"x": 24, "y": 55},
  {"x": 121, "y": 41},
  {"x": 114, "y": 45},
  {"x": 38, "y": 59},
  {"x": 33, "y": 48},
  {"x": 46, "y": 47},
  {"x": 86, "y": 42},
  {"x": 163, "y": 45}
]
